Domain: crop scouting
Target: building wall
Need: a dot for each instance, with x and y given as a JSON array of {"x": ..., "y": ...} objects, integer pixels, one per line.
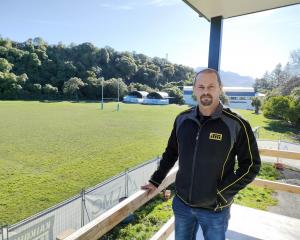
[
  {"x": 189, "y": 100},
  {"x": 156, "y": 101},
  {"x": 240, "y": 103}
]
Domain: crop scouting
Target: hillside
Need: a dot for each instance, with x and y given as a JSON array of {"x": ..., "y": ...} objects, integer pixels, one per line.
[{"x": 231, "y": 79}]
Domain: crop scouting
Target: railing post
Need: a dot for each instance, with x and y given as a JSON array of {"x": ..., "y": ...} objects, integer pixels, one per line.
[
  {"x": 256, "y": 132},
  {"x": 5, "y": 231},
  {"x": 82, "y": 193},
  {"x": 126, "y": 182},
  {"x": 278, "y": 148}
]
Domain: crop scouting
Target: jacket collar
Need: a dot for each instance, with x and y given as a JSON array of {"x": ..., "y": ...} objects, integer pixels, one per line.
[{"x": 216, "y": 114}]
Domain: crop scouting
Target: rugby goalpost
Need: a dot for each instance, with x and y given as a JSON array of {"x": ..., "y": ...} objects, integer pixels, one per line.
[{"x": 102, "y": 98}]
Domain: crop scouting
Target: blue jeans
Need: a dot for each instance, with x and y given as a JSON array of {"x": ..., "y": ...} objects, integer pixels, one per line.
[{"x": 187, "y": 220}]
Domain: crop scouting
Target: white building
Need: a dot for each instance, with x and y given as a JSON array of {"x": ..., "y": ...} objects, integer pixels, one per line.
[
  {"x": 135, "y": 97},
  {"x": 157, "y": 98},
  {"x": 239, "y": 97}
]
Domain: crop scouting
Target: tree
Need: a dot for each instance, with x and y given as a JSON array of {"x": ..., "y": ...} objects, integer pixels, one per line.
[
  {"x": 127, "y": 66},
  {"x": 223, "y": 98},
  {"x": 72, "y": 86},
  {"x": 103, "y": 56},
  {"x": 262, "y": 85},
  {"x": 256, "y": 102},
  {"x": 141, "y": 59},
  {"x": 5, "y": 43},
  {"x": 37, "y": 88},
  {"x": 274, "y": 93},
  {"x": 294, "y": 66},
  {"x": 277, "y": 107},
  {"x": 286, "y": 88},
  {"x": 11, "y": 85},
  {"x": 32, "y": 65},
  {"x": 56, "y": 64},
  {"x": 176, "y": 95},
  {"x": 173, "y": 84},
  {"x": 147, "y": 74},
  {"x": 139, "y": 87},
  {"x": 296, "y": 94},
  {"x": 86, "y": 54},
  {"x": 29, "y": 45},
  {"x": 49, "y": 90},
  {"x": 278, "y": 76},
  {"x": 294, "y": 113},
  {"x": 111, "y": 88},
  {"x": 5, "y": 66},
  {"x": 15, "y": 55},
  {"x": 97, "y": 70},
  {"x": 168, "y": 71},
  {"x": 93, "y": 88},
  {"x": 39, "y": 42},
  {"x": 3, "y": 52}
]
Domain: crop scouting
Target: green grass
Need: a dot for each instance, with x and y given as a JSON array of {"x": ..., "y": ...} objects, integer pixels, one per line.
[
  {"x": 270, "y": 129},
  {"x": 147, "y": 221},
  {"x": 256, "y": 197},
  {"x": 259, "y": 197},
  {"x": 49, "y": 151},
  {"x": 267, "y": 171}
]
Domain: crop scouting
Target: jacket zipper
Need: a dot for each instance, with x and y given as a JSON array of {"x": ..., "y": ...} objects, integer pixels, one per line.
[
  {"x": 194, "y": 162},
  {"x": 194, "y": 158}
]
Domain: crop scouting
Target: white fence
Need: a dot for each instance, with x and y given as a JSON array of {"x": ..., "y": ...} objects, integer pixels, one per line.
[{"x": 280, "y": 145}]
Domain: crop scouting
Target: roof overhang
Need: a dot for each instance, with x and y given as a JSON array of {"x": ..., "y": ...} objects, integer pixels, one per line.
[{"x": 234, "y": 8}]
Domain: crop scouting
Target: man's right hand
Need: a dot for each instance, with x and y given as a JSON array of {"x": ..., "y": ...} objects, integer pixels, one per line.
[{"x": 150, "y": 188}]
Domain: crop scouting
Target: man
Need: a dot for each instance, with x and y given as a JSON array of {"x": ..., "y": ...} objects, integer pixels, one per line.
[{"x": 206, "y": 140}]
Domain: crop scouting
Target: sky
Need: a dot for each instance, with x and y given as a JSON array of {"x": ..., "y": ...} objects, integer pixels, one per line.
[{"x": 251, "y": 45}]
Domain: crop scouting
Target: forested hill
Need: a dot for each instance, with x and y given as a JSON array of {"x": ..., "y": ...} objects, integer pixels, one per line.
[{"x": 34, "y": 68}]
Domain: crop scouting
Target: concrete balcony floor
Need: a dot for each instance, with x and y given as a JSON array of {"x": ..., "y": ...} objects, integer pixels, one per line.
[{"x": 250, "y": 224}]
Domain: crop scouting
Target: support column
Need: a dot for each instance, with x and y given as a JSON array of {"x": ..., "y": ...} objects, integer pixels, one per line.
[{"x": 215, "y": 43}]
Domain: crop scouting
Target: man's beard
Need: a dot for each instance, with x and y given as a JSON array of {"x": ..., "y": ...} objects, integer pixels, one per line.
[{"x": 206, "y": 100}]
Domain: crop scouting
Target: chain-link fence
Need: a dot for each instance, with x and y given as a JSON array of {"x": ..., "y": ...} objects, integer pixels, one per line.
[{"x": 82, "y": 208}]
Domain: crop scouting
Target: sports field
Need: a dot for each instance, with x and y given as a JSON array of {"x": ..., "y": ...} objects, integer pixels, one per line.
[{"x": 49, "y": 151}]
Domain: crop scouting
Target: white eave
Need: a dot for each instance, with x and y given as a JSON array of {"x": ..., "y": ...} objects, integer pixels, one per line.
[{"x": 234, "y": 8}]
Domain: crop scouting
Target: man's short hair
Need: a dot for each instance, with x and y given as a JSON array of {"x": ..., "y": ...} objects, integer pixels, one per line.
[{"x": 208, "y": 70}]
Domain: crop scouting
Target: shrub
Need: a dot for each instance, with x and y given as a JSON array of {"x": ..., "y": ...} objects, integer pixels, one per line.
[{"x": 277, "y": 107}]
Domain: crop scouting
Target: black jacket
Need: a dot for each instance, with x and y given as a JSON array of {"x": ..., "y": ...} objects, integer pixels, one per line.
[{"x": 208, "y": 176}]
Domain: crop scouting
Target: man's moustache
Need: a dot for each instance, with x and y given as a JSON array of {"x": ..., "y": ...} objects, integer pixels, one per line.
[{"x": 206, "y": 95}]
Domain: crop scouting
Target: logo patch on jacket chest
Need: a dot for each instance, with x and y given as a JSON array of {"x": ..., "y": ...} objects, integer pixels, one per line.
[{"x": 215, "y": 136}]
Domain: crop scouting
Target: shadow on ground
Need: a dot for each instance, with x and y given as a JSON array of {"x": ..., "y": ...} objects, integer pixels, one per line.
[{"x": 280, "y": 127}]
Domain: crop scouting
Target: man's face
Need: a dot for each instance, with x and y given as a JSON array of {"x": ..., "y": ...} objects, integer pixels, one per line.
[{"x": 207, "y": 90}]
